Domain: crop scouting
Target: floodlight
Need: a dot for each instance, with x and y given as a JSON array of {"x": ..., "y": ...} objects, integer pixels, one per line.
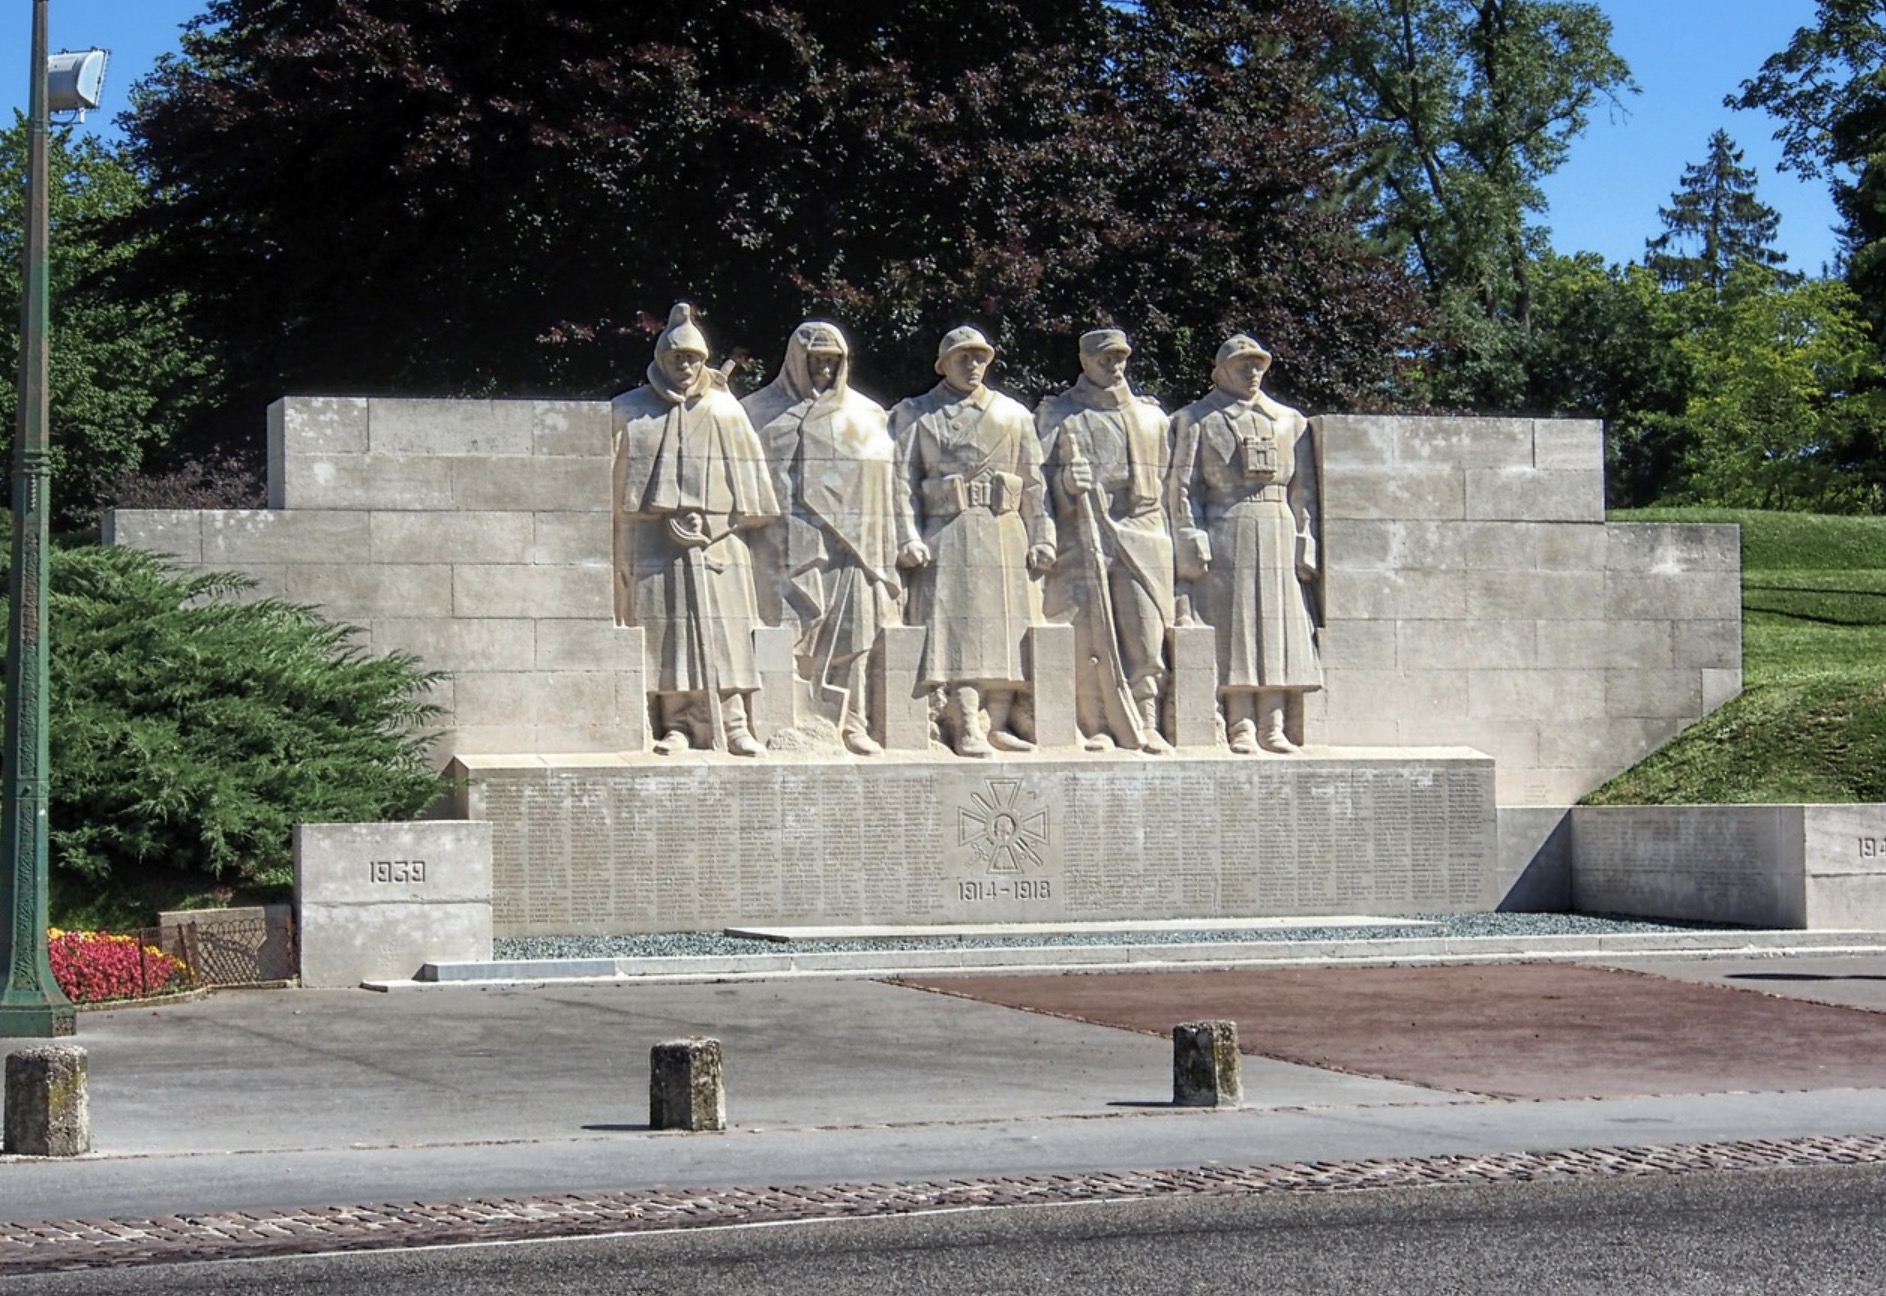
[{"x": 75, "y": 80}]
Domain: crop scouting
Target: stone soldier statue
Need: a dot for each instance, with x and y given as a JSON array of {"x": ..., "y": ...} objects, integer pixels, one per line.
[
  {"x": 830, "y": 567},
  {"x": 1108, "y": 453},
  {"x": 974, "y": 467},
  {"x": 1246, "y": 469},
  {"x": 690, "y": 479}
]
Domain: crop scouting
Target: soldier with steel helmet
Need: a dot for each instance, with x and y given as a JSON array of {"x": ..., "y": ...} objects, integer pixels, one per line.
[{"x": 973, "y": 463}]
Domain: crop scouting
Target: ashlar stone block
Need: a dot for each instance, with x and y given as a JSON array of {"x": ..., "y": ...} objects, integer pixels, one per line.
[
  {"x": 899, "y": 708},
  {"x": 47, "y": 1111},
  {"x": 687, "y": 1087},
  {"x": 1207, "y": 1070},
  {"x": 1049, "y": 653}
]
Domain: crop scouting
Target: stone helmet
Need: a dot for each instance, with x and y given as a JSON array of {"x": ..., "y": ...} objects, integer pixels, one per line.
[
  {"x": 964, "y": 338},
  {"x": 682, "y": 334},
  {"x": 1102, "y": 340},
  {"x": 1242, "y": 344}
]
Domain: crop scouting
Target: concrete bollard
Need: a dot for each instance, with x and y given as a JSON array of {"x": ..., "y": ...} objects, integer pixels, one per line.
[
  {"x": 1206, "y": 1068},
  {"x": 46, "y": 1111},
  {"x": 686, "y": 1090}
]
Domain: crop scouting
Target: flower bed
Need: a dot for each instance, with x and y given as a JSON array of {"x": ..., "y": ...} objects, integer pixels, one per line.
[{"x": 94, "y": 967}]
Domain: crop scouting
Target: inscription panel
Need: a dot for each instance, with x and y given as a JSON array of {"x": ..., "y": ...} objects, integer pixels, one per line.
[
  {"x": 1706, "y": 863},
  {"x": 658, "y": 846}
]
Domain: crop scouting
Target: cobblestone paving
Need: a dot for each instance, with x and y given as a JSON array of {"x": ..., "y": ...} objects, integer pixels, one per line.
[{"x": 50, "y": 1245}]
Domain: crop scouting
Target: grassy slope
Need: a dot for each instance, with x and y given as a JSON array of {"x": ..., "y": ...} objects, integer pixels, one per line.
[{"x": 1811, "y": 722}]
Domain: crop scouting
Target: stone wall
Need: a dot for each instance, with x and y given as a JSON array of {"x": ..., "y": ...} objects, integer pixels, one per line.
[
  {"x": 1474, "y": 594},
  {"x": 1819, "y": 867}
]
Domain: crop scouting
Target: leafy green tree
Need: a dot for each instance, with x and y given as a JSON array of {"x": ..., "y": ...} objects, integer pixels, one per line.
[
  {"x": 1604, "y": 345},
  {"x": 476, "y": 197},
  {"x": 190, "y": 733},
  {"x": 1468, "y": 105},
  {"x": 1784, "y": 393},
  {"x": 1715, "y": 211},
  {"x": 123, "y": 372},
  {"x": 1826, "y": 90}
]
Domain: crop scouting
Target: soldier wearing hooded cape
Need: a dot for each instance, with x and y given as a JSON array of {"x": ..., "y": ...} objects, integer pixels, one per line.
[
  {"x": 690, "y": 475},
  {"x": 830, "y": 570}
]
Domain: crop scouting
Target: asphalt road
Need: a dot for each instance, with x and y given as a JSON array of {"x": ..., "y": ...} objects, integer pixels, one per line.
[{"x": 1804, "y": 1232}]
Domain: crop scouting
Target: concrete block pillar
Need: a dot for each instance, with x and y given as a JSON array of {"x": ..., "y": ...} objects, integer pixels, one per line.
[
  {"x": 900, "y": 707},
  {"x": 1194, "y": 688},
  {"x": 1206, "y": 1068},
  {"x": 686, "y": 1089},
  {"x": 1049, "y": 651},
  {"x": 46, "y": 1110}
]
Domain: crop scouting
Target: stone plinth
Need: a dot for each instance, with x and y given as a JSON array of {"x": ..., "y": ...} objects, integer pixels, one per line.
[
  {"x": 375, "y": 901},
  {"x": 1206, "y": 1068},
  {"x": 686, "y": 1086},
  {"x": 46, "y": 1109},
  {"x": 1795, "y": 866},
  {"x": 617, "y": 844}
]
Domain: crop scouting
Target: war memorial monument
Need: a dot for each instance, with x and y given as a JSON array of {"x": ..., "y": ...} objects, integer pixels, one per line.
[{"x": 803, "y": 658}]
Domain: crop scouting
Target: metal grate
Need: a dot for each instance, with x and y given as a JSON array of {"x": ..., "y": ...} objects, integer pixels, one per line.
[{"x": 222, "y": 949}]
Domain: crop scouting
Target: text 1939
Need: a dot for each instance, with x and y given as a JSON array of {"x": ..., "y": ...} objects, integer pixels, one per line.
[
  {"x": 396, "y": 872},
  {"x": 1021, "y": 889}
]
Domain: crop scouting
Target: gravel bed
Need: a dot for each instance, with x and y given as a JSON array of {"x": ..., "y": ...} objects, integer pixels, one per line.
[{"x": 670, "y": 944}]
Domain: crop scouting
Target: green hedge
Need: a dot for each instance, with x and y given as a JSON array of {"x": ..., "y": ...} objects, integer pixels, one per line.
[{"x": 192, "y": 725}]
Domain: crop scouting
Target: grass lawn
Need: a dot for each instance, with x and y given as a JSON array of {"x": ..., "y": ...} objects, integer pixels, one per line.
[{"x": 1811, "y": 722}]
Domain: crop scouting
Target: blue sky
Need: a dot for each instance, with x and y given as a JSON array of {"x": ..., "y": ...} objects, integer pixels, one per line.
[{"x": 1685, "y": 54}]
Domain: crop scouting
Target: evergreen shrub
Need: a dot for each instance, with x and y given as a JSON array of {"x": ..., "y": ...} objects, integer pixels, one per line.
[{"x": 191, "y": 725}]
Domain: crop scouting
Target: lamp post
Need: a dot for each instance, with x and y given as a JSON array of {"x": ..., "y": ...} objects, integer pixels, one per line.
[{"x": 31, "y": 1003}]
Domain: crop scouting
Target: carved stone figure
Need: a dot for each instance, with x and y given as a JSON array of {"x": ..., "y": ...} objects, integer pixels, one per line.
[
  {"x": 973, "y": 463},
  {"x": 690, "y": 479},
  {"x": 830, "y": 569},
  {"x": 1246, "y": 469},
  {"x": 1108, "y": 454}
]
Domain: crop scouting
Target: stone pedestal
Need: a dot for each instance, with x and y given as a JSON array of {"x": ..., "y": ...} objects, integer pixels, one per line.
[
  {"x": 46, "y": 1109},
  {"x": 1193, "y": 654},
  {"x": 686, "y": 1088},
  {"x": 608, "y": 845},
  {"x": 1049, "y": 651},
  {"x": 1206, "y": 1068},
  {"x": 375, "y": 901}
]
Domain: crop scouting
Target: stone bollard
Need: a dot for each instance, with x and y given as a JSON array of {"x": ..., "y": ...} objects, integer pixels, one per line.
[
  {"x": 46, "y": 1113},
  {"x": 685, "y": 1087},
  {"x": 1206, "y": 1069}
]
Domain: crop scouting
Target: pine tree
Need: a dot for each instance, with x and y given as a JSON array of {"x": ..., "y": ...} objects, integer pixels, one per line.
[{"x": 1715, "y": 211}]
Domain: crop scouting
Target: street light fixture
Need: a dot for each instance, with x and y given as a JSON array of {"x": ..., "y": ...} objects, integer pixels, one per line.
[{"x": 31, "y": 1003}]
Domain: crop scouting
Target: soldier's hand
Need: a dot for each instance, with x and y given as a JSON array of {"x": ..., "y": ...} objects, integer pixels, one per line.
[
  {"x": 1040, "y": 558},
  {"x": 913, "y": 555},
  {"x": 1077, "y": 478}
]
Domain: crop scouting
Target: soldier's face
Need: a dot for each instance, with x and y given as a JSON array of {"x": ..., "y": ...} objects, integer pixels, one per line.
[
  {"x": 681, "y": 367},
  {"x": 823, "y": 369},
  {"x": 1105, "y": 369},
  {"x": 963, "y": 369},
  {"x": 1243, "y": 374}
]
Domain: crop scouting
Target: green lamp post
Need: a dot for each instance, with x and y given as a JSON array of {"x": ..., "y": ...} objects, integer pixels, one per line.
[{"x": 31, "y": 1003}]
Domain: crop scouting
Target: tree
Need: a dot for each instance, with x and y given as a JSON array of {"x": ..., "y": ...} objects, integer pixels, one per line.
[
  {"x": 473, "y": 197},
  {"x": 1826, "y": 90},
  {"x": 1785, "y": 391},
  {"x": 124, "y": 374},
  {"x": 1604, "y": 345},
  {"x": 1714, "y": 210},
  {"x": 190, "y": 733},
  {"x": 1469, "y": 104}
]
